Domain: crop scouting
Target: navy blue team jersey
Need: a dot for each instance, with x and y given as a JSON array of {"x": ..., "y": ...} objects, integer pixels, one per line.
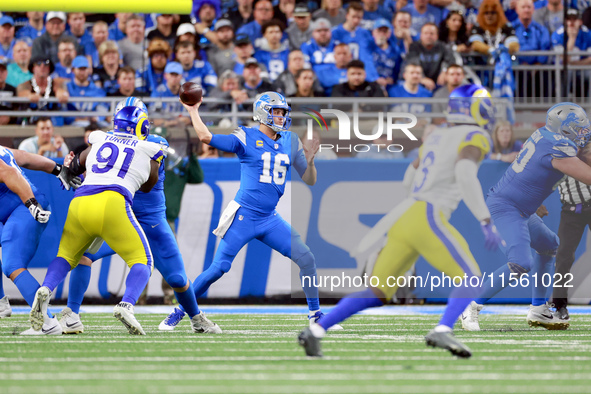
[
  {"x": 532, "y": 178},
  {"x": 9, "y": 199},
  {"x": 153, "y": 201},
  {"x": 264, "y": 165}
]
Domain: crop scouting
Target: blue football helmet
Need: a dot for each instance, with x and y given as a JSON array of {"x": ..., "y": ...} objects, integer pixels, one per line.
[
  {"x": 471, "y": 104},
  {"x": 131, "y": 102},
  {"x": 133, "y": 121},
  {"x": 263, "y": 110},
  {"x": 571, "y": 121}
]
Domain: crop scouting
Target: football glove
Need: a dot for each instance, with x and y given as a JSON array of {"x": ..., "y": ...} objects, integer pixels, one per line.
[
  {"x": 492, "y": 238},
  {"x": 39, "y": 214},
  {"x": 67, "y": 178}
]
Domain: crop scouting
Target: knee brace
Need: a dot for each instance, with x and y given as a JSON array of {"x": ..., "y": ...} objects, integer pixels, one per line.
[
  {"x": 176, "y": 281},
  {"x": 518, "y": 269}
]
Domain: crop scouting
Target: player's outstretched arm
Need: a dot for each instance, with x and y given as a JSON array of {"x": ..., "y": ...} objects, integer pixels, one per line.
[
  {"x": 200, "y": 128},
  {"x": 574, "y": 167},
  {"x": 32, "y": 161},
  {"x": 16, "y": 182},
  {"x": 310, "y": 148},
  {"x": 409, "y": 174}
]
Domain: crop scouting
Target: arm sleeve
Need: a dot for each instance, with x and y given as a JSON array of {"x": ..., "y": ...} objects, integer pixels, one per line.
[
  {"x": 466, "y": 177},
  {"x": 234, "y": 143}
]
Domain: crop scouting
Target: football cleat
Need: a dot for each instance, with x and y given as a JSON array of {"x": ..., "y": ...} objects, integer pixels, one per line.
[
  {"x": 316, "y": 316},
  {"x": 124, "y": 313},
  {"x": 50, "y": 327},
  {"x": 202, "y": 324},
  {"x": 5, "y": 309},
  {"x": 310, "y": 343},
  {"x": 70, "y": 322},
  {"x": 470, "y": 317},
  {"x": 38, "y": 314},
  {"x": 171, "y": 321},
  {"x": 541, "y": 316},
  {"x": 447, "y": 341},
  {"x": 562, "y": 314}
]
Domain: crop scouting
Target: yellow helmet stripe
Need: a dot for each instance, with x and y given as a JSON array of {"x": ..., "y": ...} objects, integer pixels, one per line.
[{"x": 140, "y": 122}]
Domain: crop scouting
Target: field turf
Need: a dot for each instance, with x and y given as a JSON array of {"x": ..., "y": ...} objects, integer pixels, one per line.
[{"x": 258, "y": 354}]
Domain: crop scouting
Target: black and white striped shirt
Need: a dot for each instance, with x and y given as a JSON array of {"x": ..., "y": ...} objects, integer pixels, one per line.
[{"x": 574, "y": 192}]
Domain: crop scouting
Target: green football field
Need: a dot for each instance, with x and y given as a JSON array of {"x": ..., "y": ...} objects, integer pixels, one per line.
[{"x": 258, "y": 354}]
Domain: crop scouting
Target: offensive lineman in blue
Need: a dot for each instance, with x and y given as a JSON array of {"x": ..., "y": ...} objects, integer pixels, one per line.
[
  {"x": 546, "y": 157},
  {"x": 265, "y": 154},
  {"x": 150, "y": 211}
]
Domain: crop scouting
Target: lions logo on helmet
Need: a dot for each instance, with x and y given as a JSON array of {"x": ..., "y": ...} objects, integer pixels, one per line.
[
  {"x": 471, "y": 104},
  {"x": 263, "y": 110},
  {"x": 132, "y": 120},
  {"x": 569, "y": 120},
  {"x": 130, "y": 102}
]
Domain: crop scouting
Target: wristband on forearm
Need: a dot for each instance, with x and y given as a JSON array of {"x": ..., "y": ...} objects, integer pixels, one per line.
[
  {"x": 31, "y": 201},
  {"x": 57, "y": 169}
]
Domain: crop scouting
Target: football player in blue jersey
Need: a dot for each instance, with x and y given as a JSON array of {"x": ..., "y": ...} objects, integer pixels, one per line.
[
  {"x": 546, "y": 157},
  {"x": 150, "y": 211},
  {"x": 265, "y": 154},
  {"x": 23, "y": 214}
]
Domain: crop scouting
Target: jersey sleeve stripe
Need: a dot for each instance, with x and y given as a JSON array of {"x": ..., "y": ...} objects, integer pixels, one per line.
[
  {"x": 158, "y": 156},
  {"x": 241, "y": 135}
]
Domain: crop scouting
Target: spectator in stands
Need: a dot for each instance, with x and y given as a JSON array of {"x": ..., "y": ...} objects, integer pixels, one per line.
[
  {"x": 320, "y": 48},
  {"x": 132, "y": 47},
  {"x": 87, "y": 130},
  {"x": 228, "y": 89},
  {"x": 117, "y": 29},
  {"x": 163, "y": 29},
  {"x": 331, "y": 10},
  {"x": 125, "y": 83},
  {"x": 506, "y": 147},
  {"x": 46, "y": 44},
  {"x": 100, "y": 33},
  {"x": 283, "y": 10},
  {"x": 221, "y": 54},
  {"x": 6, "y": 37},
  {"x": 411, "y": 88},
  {"x": 105, "y": 76},
  {"x": 45, "y": 143},
  {"x": 66, "y": 52},
  {"x": 263, "y": 12},
  {"x": 452, "y": 32},
  {"x": 357, "y": 86},
  {"x": 18, "y": 72},
  {"x": 242, "y": 15},
  {"x": 82, "y": 86},
  {"x": 253, "y": 82},
  {"x": 373, "y": 10},
  {"x": 433, "y": 56},
  {"x": 332, "y": 74},
  {"x": 33, "y": 28},
  {"x": 358, "y": 38},
  {"x": 195, "y": 70},
  {"x": 77, "y": 28},
  {"x": 422, "y": 12},
  {"x": 273, "y": 53},
  {"x": 42, "y": 86},
  {"x": 403, "y": 34},
  {"x": 6, "y": 92},
  {"x": 550, "y": 16},
  {"x": 243, "y": 51},
  {"x": 492, "y": 30},
  {"x": 386, "y": 58},
  {"x": 148, "y": 79},
  {"x": 454, "y": 78},
  {"x": 207, "y": 14},
  {"x": 579, "y": 38},
  {"x": 300, "y": 31},
  {"x": 305, "y": 79},
  {"x": 186, "y": 32},
  {"x": 286, "y": 82},
  {"x": 173, "y": 75},
  {"x": 531, "y": 35}
]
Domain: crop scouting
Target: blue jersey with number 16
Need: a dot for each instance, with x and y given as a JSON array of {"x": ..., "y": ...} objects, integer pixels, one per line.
[
  {"x": 264, "y": 165},
  {"x": 532, "y": 178}
]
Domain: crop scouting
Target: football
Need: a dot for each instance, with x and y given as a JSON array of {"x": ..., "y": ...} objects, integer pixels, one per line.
[{"x": 190, "y": 93}]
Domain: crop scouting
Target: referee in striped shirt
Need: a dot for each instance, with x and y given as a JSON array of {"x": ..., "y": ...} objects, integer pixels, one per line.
[{"x": 575, "y": 216}]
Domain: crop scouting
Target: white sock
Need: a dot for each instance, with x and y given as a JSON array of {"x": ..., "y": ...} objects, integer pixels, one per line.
[
  {"x": 317, "y": 330},
  {"x": 312, "y": 313},
  {"x": 442, "y": 328}
]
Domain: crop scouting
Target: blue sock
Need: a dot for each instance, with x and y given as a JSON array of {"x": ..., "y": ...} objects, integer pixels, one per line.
[
  {"x": 136, "y": 282},
  {"x": 79, "y": 281},
  {"x": 457, "y": 302},
  {"x": 187, "y": 301},
  {"x": 543, "y": 265},
  {"x": 488, "y": 291},
  {"x": 56, "y": 273},
  {"x": 349, "y": 306},
  {"x": 1, "y": 282},
  {"x": 27, "y": 285},
  {"x": 310, "y": 290}
]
